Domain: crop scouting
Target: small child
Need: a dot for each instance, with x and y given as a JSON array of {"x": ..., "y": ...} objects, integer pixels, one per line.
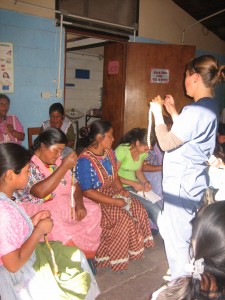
[{"x": 20, "y": 236}]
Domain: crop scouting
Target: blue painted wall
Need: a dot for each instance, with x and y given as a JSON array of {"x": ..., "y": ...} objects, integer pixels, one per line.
[{"x": 36, "y": 56}]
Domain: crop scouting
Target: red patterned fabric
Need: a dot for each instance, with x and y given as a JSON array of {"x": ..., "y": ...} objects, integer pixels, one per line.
[{"x": 123, "y": 237}]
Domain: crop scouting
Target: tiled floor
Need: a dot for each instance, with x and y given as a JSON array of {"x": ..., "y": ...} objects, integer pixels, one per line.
[{"x": 141, "y": 279}]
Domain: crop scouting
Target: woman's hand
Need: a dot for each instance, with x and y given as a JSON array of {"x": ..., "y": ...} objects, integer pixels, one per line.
[
  {"x": 156, "y": 105},
  {"x": 80, "y": 212},
  {"x": 9, "y": 128},
  {"x": 70, "y": 160},
  {"x": 45, "y": 225},
  {"x": 147, "y": 186},
  {"x": 124, "y": 193},
  {"x": 43, "y": 214},
  {"x": 119, "y": 202},
  {"x": 170, "y": 105},
  {"x": 138, "y": 186}
]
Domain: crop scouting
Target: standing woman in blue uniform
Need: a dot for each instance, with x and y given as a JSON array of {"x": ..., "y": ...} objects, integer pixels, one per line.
[{"x": 187, "y": 146}]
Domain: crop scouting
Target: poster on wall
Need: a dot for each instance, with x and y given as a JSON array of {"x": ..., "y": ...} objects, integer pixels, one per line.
[{"x": 6, "y": 68}]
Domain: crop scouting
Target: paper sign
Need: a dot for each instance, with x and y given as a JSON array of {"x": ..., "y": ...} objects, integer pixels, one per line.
[
  {"x": 113, "y": 67},
  {"x": 159, "y": 75}
]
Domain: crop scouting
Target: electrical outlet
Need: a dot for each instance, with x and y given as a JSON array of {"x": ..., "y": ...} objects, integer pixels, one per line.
[{"x": 46, "y": 95}]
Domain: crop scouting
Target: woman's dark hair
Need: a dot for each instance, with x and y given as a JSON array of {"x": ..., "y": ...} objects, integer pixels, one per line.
[
  {"x": 134, "y": 135},
  {"x": 49, "y": 137},
  {"x": 207, "y": 242},
  {"x": 221, "y": 128},
  {"x": 13, "y": 157},
  {"x": 3, "y": 96},
  {"x": 57, "y": 107},
  {"x": 207, "y": 66},
  {"x": 98, "y": 127}
]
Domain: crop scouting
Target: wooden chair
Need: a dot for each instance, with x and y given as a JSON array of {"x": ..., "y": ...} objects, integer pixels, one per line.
[{"x": 31, "y": 132}]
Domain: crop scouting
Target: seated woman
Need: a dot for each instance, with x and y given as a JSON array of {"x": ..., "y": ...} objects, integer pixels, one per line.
[
  {"x": 130, "y": 155},
  {"x": 11, "y": 129},
  {"x": 207, "y": 271},
  {"x": 59, "y": 120},
  {"x": 152, "y": 167},
  {"x": 50, "y": 187},
  {"x": 219, "y": 151},
  {"x": 125, "y": 226},
  {"x": 27, "y": 267}
]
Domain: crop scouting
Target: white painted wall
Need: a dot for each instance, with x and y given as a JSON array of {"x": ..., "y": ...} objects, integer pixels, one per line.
[
  {"x": 85, "y": 95},
  {"x": 165, "y": 21}
]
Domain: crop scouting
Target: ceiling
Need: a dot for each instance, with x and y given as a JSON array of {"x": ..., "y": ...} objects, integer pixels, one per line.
[
  {"x": 200, "y": 9},
  {"x": 212, "y": 10}
]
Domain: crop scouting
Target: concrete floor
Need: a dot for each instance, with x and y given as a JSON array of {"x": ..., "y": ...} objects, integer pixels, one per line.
[{"x": 143, "y": 277}]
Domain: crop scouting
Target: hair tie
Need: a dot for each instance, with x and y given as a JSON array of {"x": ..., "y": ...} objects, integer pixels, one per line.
[{"x": 196, "y": 267}]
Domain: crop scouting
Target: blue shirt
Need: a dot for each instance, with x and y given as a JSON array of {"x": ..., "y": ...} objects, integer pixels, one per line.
[{"x": 185, "y": 168}]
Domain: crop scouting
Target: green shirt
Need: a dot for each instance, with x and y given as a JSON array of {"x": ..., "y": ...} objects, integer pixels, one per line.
[{"x": 128, "y": 166}]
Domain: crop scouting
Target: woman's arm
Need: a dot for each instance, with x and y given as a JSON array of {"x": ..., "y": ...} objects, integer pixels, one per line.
[
  {"x": 16, "y": 130},
  {"x": 167, "y": 140},
  {"x": 80, "y": 210},
  {"x": 14, "y": 260},
  {"x": 143, "y": 180},
  {"x": 47, "y": 186},
  {"x": 17, "y": 135},
  {"x": 147, "y": 167},
  {"x": 101, "y": 198}
]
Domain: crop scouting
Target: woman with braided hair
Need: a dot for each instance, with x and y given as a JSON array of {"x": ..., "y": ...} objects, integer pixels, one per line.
[
  {"x": 125, "y": 226},
  {"x": 51, "y": 186},
  {"x": 27, "y": 268},
  {"x": 188, "y": 146},
  {"x": 207, "y": 267}
]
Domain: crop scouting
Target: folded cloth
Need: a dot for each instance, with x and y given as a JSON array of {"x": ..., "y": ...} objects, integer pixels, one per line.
[{"x": 72, "y": 281}]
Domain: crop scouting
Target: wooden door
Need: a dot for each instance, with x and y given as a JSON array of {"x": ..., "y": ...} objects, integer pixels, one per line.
[
  {"x": 139, "y": 90},
  {"x": 114, "y": 73},
  {"x": 127, "y": 92}
]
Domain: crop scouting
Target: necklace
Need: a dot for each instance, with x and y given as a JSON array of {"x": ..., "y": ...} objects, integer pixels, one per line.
[
  {"x": 99, "y": 156},
  {"x": 52, "y": 169}
]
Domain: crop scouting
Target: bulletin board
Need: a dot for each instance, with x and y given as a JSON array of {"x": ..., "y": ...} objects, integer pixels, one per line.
[{"x": 6, "y": 68}]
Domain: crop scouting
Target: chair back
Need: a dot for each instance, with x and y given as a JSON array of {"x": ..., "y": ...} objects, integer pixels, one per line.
[{"x": 32, "y": 132}]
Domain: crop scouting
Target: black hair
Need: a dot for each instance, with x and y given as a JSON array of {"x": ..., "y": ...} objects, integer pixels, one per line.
[
  {"x": 221, "y": 128},
  {"x": 3, "y": 96},
  {"x": 207, "y": 242},
  {"x": 98, "y": 127},
  {"x": 134, "y": 135},
  {"x": 50, "y": 136},
  {"x": 13, "y": 157},
  {"x": 57, "y": 107}
]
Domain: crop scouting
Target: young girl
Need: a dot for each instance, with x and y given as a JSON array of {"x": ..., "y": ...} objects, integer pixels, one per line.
[
  {"x": 130, "y": 154},
  {"x": 20, "y": 236}
]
